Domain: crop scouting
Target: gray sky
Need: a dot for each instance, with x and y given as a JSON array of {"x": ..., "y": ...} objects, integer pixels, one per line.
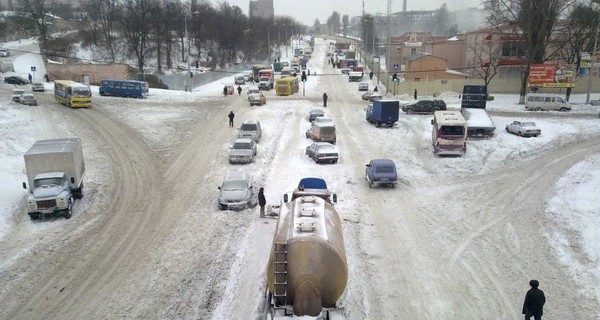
[{"x": 306, "y": 11}]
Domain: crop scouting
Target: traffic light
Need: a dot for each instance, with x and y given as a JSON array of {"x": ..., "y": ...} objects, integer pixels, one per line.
[
  {"x": 303, "y": 76},
  {"x": 395, "y": 77}
]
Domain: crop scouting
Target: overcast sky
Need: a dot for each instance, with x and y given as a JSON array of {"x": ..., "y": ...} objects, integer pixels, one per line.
[{"x": 306, "y": 11}]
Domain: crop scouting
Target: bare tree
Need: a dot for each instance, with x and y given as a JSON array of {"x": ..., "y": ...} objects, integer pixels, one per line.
[
  {"x": 102, "y": 17},
  {"x": 487, "y": 54},
  {"x": 33, "y": 14},
  {"x": 317, "y": 26},
  {"x": 345, "y": 24},
  {"x": 137, "y": 26},
  {"x": 535, "y": 20}
]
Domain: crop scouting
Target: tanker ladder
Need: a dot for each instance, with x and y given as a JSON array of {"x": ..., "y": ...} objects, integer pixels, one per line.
[{"x": 280, "y": 294}]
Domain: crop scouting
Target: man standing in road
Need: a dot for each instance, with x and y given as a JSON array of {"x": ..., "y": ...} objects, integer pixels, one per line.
[
  {"x": 534, "y": 302},
  {"x": 231, "y": 116},
  {"x": 239, "y": 90},
  {"x": 371, "y": 75},
  {"x": 262, "y": 201},
  {"x": 325, "y": 99}
]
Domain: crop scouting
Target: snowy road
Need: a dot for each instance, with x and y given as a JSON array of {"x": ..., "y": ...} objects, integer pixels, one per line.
[{"x": 459, "y": 238}]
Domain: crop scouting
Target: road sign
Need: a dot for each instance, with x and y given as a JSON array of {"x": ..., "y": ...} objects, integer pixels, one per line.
[
  {"x": 33, "y": 68},
  {"x": 303, "y": 67},
  {"x": 395, "y": 67}
]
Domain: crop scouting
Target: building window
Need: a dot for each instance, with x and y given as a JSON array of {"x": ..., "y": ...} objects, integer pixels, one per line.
[
  {"x": 413, "y": 50},
  {"x": 398, "y": 51},
  {"x": 513, "y": 49}
]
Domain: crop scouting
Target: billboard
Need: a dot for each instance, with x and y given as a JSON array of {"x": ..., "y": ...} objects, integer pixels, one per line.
[{"x": 551, "y": 76}]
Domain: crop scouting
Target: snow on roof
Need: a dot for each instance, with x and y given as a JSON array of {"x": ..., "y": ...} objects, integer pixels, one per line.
[{"x": 450, "y": 71}]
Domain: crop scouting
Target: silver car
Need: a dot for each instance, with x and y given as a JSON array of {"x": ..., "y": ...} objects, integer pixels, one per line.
[
  {"x": 242, "y": 151},
  {"x": 28, "y": 99},
  {"x": 236, "y": 192},
  {"x": 523, "y": 129},
  {"x": 251, "y": 129},
  {"x": 322, "y": 152}
]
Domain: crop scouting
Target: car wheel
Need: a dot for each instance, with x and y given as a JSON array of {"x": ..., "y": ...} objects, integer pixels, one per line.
[
  {"x": 69, "y": 211},
  {"x": 537, "y": 109},
  {"x": 520, "y": 134},
  {"x": 371, "y": 184},
  {"x": 410, "y": 110},
  {"x": 563, "y": 109},
  {"x": 222, "y": 207},
  {"x": 33, "y": 216},
  {"x": 435, "y": 109},
  {"x": 506, "y": 130}
]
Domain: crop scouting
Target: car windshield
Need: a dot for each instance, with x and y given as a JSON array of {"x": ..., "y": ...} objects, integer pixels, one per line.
[
  {"x": 242, "y": 145},
  {"x": 384, "y": 169},
  {"x": 263, "y": 79},
  {"x": 82, "y": 92},
  {"x": 253, "y": 91},
  {"x": 248, "y": 127},
  {"x": 47, "y": 182},
  {"x": 326, "y": 148},
  {"x": 234, "y": 185},
  {"x": 528, "y": 124},
  {"x": 19, "y": 91}
]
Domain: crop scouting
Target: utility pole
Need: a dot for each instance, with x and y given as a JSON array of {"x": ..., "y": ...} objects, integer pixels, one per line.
[{"x": 388, "y": 58}]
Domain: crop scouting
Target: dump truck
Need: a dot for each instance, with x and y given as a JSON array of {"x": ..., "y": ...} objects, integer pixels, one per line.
[
  {"x": 55, "y": 170},
  {"x": 383, "y": 112},
  {"x": 472, "y": 107},
  {"x": 307, "y": 270}
]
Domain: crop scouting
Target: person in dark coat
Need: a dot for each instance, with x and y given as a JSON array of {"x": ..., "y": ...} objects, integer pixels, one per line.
[
  {"x": 262, "y": 202},
  {"x": 231, "y": 116},
  {"x": 325, "y": 99},
  {"x": 46, "y": 78},
  {"x": 225, "y": 91},
  {"x": 375, "y": 90},
  {"x": 371, "y": 75},
  {"x": 239, "y": 90},
  {"x": 415, "y": 94},
  {"x": 534, "y": 302},
  {"x": 30, "y": 77}
]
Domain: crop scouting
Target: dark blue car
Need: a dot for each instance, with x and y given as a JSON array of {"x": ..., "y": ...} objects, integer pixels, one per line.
[{"x": 381, "y": 172}]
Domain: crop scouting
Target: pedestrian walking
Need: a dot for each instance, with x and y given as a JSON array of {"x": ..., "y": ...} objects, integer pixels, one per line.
[
  {"x": 231, "y": 116},
  {"x": 371, "y": 75},
  {"x": 534, "y": 302},
  {"x": 225, "y": 91},
  {"x": 29, "y": 76},
  {"x": 325, "y": 99},
  {"x": 415, "y": 94},
  {"x": 239, "y": 90},
  {"x": 262, "y": 202},
  {"x": 46, "y": 78},
  {"x": 375, "y": 90}
]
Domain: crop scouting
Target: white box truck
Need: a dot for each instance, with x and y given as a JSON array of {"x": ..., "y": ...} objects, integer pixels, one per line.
[{"x": 55, "y": 170}]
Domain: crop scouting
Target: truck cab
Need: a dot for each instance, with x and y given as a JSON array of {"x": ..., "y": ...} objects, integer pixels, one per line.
[{"x": 51, "y": 194}]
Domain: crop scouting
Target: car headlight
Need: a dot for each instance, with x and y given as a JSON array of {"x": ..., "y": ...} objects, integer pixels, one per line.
[{"x": 62, "y": 202}]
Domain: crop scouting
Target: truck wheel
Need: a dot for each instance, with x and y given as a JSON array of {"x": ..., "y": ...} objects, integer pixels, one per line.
[
  {"x": 79, "y": 194},
  {"x": 69, "y": 211}
]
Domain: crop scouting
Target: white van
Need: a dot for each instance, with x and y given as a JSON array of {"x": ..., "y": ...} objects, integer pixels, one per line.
[{"x": 546, "y": 101}]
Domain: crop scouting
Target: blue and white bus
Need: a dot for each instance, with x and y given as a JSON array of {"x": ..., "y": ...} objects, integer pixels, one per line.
[{"x": 124, "y": 88}]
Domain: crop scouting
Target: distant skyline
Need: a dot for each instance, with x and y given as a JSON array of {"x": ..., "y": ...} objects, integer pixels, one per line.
[{"x": 307, "y": 11}]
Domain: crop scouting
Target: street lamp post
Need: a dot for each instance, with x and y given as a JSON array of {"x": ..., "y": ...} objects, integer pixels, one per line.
[
  {"x": 269, "y": 40},
  {"x": 590, "y": 75},
  {"x": 189, "y": 69}
]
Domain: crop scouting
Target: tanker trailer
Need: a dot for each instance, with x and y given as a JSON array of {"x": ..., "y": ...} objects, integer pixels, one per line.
[{"x": 307, "y": 270}]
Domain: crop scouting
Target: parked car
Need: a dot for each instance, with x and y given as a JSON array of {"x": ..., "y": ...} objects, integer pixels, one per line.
[
  {"x": 322, "y": 132},
  {"x": 230, "y": 89},
  {"x": 15, "y": 80},
  {"x": 546, "y": 101},
  {"x": 247, "y": 77},
  {"x": 345, "y": 70},
  {"x": 28, "y": 99},
  {"x": 424, "y": 106},
  {"x": 236, "y": 192},
  {"x": 239, "y": 80},
  {"x": 37, "y": 87},
  {"x": 363, "y": 86},
  {"x": 322, "y": 152},
  {"x": 257, "y": 99},
  {"x": 523, "y": 129},
  {"x": 4, "y": 53},
  {"x": 252, "y": 90},
  {"x": 242, "y": 151},
  {"x": 314, "y": 113},
  {"x": 370, "y": 96},
  {"x": 381, "y": 172},
  {"x": 251, "y": 129},
  {"x": 17, "y": 94}
]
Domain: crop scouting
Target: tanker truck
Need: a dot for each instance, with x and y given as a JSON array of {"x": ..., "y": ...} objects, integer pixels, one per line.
[{"x": 307, "y": 270}]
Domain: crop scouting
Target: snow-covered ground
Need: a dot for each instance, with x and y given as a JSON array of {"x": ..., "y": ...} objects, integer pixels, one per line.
[{"x": 572, "y": 202}]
